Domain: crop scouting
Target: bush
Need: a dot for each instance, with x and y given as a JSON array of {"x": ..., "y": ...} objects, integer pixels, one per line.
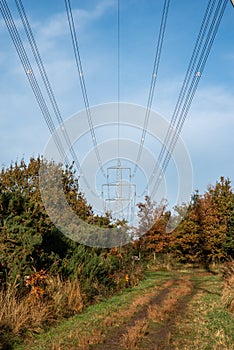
[
  {"x": 44, "y": 275},
  {"x": 85, "y": 276}
]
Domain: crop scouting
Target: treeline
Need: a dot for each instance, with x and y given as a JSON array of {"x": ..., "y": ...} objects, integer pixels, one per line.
[
  {"x": 30, "y": 243},
  {"x": 204, "y": 230},
  {"x": 45, "y": 276}
]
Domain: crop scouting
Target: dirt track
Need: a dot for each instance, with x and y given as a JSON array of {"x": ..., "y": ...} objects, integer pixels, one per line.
[
  {"x": 176, "y": 310},
  {"x": 158, "y": 317}
]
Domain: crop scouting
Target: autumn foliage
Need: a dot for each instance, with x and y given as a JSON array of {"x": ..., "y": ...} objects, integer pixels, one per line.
[
  {"x": 45, "y": 275},
  {"x": 40, "y": 267},
  {"x": 204, "y": 235}
]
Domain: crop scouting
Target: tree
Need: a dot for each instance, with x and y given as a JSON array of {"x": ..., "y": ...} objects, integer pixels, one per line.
[
  {"x": 206, "y": 233},
  {"x": 222, "y": 198},
  {"x": 228, "y": 246},
  {"x": 28, "y": 238},
  {"x": 186, "y": 236},
  {"x": 212, "y": 230},
  {"x": 153, "y": 220}
]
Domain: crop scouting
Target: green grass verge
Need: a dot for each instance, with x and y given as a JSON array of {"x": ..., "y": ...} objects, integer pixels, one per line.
[
  {"x": 206, "y": 325},
  {"x": 92, "y": 317}
]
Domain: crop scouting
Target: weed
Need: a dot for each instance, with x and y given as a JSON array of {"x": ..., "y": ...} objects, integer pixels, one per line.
[
  {"x": 64, "y": 296},
  {"x": 18, "y": 315},
  {"x": 40, "y": 306}
]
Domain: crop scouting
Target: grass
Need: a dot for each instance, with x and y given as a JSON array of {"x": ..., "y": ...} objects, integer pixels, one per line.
[
  {"x": 228, "y": 290},
  {"x": 30, "y": 314},
  {"x": 133, "y": 335},
  {"x": 17, "y": 315},
  {"x": 204, "y": 324},
  {"x": 79, "y": 329},
  {"x": 162, "y": 312}
]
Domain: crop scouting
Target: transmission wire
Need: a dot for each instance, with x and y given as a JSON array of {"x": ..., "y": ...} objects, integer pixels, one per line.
[
  {"x": 45, "y": 78},
  {"x": 31, "y": 76},
  {"x": 153, "y": 78},
  {"x": 81, "y": 78},
  {"x": 194, "y": 84},
  {"x": 185, "y": 85},
  {"x": 118, "y": 79},
  {"x": 14, "y": 34}
]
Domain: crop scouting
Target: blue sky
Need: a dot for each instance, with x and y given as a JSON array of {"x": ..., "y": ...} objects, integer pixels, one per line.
[{"x": 208, "y": 130}]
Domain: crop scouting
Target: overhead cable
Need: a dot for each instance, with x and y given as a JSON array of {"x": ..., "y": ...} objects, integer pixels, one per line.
[
  {"x": 44, "y": 75},
  {"x": 153, "y": 78},
  {"x": 206, "y": 37},
  {"x": 82, "y": 79},
  {"x": 14, "y": 34},
  {"x": 185, "y": 85},
  {"x": 118, "y": 79}
]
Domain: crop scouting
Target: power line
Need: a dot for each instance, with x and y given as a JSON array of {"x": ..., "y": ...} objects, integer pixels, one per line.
[
  {"x": 118, "y": 76},
  {"x": 185, "y": 85},
  {"x": 203, "y": 45},
  {"x": 196, "y": 67},
  {"x": 82, "y": 79},
  {"x": 153, "y": 78},
  {"x": 45, "y": 78},
  {"x": 14, "y": 34}
]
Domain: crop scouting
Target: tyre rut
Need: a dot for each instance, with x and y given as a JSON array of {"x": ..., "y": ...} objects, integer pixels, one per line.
[{"x": 112, "y": 341}]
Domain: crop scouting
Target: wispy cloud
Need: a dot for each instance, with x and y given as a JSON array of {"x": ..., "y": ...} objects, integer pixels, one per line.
[
  {"x": 57, "y": 25},
  {"x": 212, "y": 110}
]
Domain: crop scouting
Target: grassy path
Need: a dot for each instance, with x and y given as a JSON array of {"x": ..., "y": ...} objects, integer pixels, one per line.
[{"x": 168, "y": 310}]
